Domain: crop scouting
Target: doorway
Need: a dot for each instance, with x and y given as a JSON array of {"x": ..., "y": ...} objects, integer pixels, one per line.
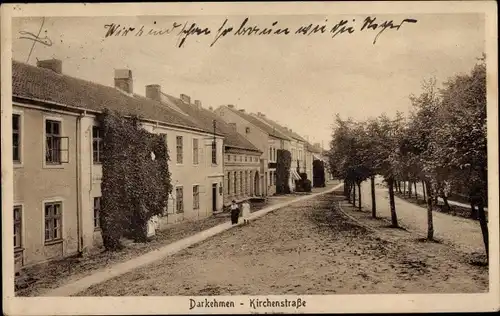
[{"x": 214, "y": 197}]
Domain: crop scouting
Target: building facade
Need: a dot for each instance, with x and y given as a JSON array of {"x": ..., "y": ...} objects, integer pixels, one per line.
[
  {"x": 241, "y": 164},
  {"x": 295, "y": 144},
  {"x": 262, "y": 136},
  {"x": 57, "y": 154}
]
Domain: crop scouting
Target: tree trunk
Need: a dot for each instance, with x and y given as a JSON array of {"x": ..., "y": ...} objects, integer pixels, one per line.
[
  {"x": 484, "y": 226},
  {"x": 374, "y": 206},
  {"x": 347, "y": 186},
  {"x": 473, "y": 211},
  {"x": 424, "y": 191},
  {"x": 416, "y": 192},
  {"x": 446, "y": 204},
  {"x": 404, "y": 188},
  {"x": 359, "y": 196},
  {"x": 353, "y": 194},
  {"x": 430, "y": 223},
  {"x": 392, "y": 203},
  {"x": 410, "y": 192}
]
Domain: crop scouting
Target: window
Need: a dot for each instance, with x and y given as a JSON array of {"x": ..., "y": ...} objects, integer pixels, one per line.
[
  {"x": 274, "y": 154},
  {"x": 196, "y": 197},
  {"x": 16, "y": 137},
  {"x": 195, "y": 151},
  {"x": 241, "y": 182},
  {"x": 241, "y": 158},
  {"x": 228, "y": 157},
  {"x": 235, "y": 183},
  {"x": 214, "y": 152},
  {"x": 53, "y": 221},
  {"x": 18, "y": 226},
  {"x": 247, "y": 130},
  {"x": 247, "y": 187},
  {"x": 97, "y": 144},
  {"x": 179, "y": 198},
  {"x": 97, "y": 212},
  {"x": 179, "y": 146},
  {"x": 246, "y": 159},
  {"x": 229, "y": 183},
  {"x": 53, "y": 142}
]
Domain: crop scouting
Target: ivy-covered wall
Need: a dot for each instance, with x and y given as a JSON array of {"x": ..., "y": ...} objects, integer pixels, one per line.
[
  {"x": 135, "y": 181},
  {"x": 318, "y": 173},
  {"x": 283, "y": 165}
]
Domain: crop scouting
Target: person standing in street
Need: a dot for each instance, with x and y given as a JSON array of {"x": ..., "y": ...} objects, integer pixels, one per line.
[
  {"x": 235, "y": 212},
  {"x": 245, "y": 207}
]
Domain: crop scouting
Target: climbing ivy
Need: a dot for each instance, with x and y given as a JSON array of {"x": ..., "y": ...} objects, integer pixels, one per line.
[
  {"x": 283, "y": 164},
  {"x": 318, "y": 173},
  {"x": 136, "y": 180}
]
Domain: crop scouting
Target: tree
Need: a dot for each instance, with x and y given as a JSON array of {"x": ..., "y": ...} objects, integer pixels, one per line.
[
  {"x": 462, "y": 138},
  {"x": 422, "y": 134}
]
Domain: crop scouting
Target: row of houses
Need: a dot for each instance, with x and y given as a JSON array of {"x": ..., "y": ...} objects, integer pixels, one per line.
[{"x": 216, "y": 155}]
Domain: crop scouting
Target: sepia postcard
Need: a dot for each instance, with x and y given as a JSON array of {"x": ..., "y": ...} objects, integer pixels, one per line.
[{"x": 250, "y": 157}]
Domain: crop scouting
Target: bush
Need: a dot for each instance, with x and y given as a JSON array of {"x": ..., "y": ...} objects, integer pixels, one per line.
[
  {"x": 307, "y": 185},
  {"x": 303, "y": 185},
  {"x": 134, "y": 186},
  {"x": 283, "y": 164}
]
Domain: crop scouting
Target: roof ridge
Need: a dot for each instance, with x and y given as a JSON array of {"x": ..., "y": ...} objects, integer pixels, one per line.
[{"x": 36, "y": 82}]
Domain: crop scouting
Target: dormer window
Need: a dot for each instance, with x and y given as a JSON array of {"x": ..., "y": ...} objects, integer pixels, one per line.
[{"x": 247, "y": 130}]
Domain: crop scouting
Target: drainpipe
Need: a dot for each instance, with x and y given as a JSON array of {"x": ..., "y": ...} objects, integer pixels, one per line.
[{"x": 78, "y": 186}]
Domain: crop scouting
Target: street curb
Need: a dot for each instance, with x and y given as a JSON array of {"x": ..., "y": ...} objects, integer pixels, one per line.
[{"x": 167, "y": 250}]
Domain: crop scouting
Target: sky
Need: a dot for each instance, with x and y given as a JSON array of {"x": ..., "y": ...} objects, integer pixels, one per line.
[{"x": 300, "y": 81}]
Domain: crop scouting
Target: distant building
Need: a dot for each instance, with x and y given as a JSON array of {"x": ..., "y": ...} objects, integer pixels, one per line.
[
  {"x": 262, "y": 136},
  {"x": 241, "y": 164},
  {"x": 57, "y": 151},
  {"x": 296, "y": 146}
]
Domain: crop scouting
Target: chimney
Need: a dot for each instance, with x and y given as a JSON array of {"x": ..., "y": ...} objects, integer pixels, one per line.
[
  {"x": 123, "y": 80},
  {"x": 185, "y": 98},
  {"x": 242, "y": 110},
  {"x": 231, "y": 106},
  {"x": 197, "y": 103},
  {"x": 53, "y": 64},
  {"x": 153, "y": 91}
]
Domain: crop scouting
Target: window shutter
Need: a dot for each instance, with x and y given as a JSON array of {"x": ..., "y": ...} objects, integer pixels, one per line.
[
  {"x": 201, "y": 153},
  {"x": 202, "y": 189},
  {"x": 64, "y": 149}
]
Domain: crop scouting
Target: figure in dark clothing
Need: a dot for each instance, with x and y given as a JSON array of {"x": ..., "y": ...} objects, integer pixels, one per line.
[{"x": 235, "y": 213}]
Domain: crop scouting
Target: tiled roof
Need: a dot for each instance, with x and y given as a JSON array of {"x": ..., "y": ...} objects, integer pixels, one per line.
[
  {"x": 313, "y": 148},
  {"x": 42, "y": 84},
  {"x": 281, "y": 128},
  {"x": 263, "y": 126},
  {"x": 206, "y": 117}
]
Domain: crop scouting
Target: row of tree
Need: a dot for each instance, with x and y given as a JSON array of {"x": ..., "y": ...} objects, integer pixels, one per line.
[{"x": 441, "y": 144}]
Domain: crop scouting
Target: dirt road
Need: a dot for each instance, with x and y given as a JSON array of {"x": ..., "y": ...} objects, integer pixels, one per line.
[{"x": 307, "y": 248}]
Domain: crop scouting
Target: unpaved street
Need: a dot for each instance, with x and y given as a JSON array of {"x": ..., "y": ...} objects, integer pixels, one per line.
[{"x": 307, "y": 248}]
